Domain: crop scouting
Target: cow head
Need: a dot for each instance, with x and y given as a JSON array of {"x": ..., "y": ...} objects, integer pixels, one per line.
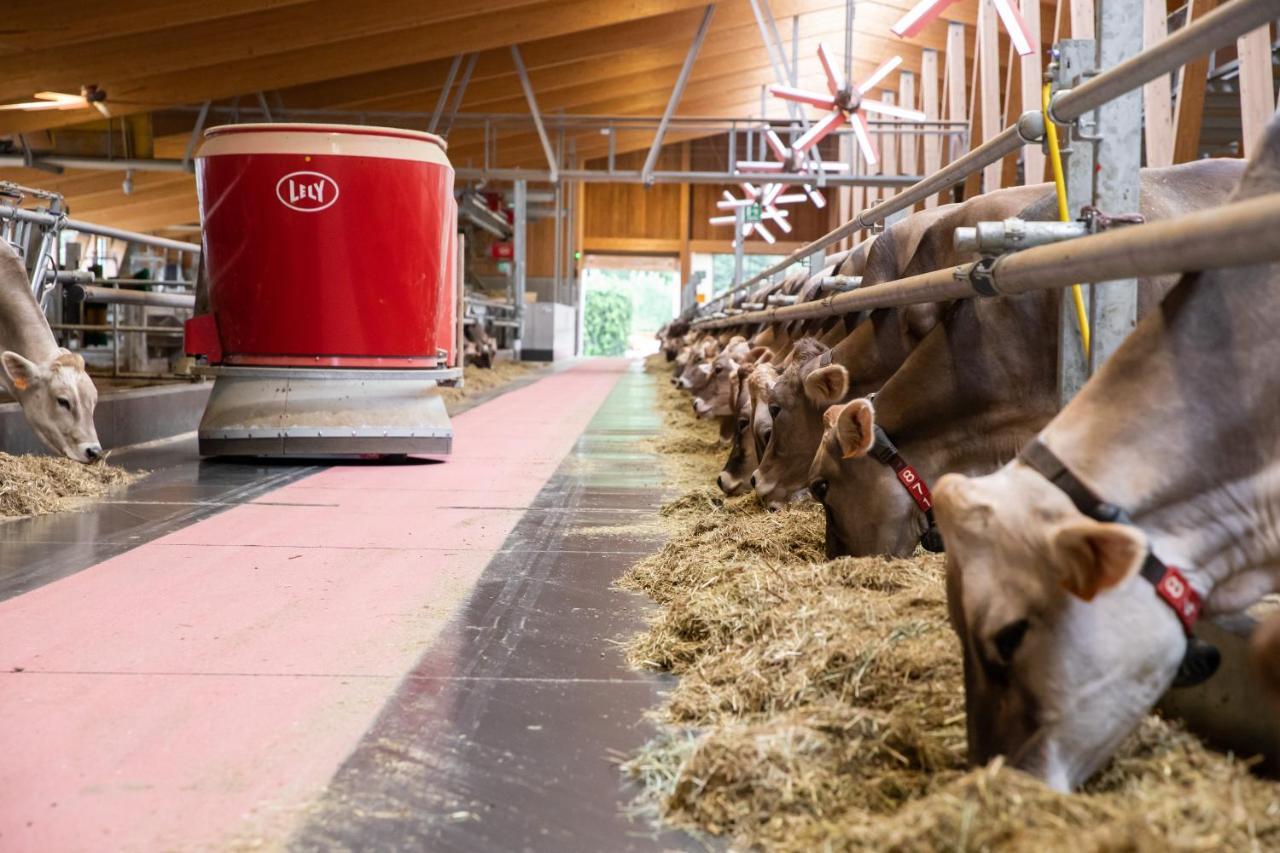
[
  {"x": 742, "y": 449},
  {"x": 796, "y": 403},
  {"x": 715, "y": 398},
  {"x": 1065, "y": 649},
  {"x": 868, "y": 511},
  {"x": 697, "y": 369},
  {"x": 58, "y": 398}
]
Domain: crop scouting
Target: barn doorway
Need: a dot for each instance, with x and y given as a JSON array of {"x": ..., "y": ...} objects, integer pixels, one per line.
[{"x": 626, "y": 299}]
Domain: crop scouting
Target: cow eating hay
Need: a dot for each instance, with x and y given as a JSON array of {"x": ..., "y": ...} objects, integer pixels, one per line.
[
  {"x": 35, "y": 485},
  {"x": 821, "y": 706}
]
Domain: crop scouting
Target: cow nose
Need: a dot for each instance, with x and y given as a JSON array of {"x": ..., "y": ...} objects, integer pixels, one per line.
[
  {"x": 93, "y": 451},
  {"x": 753, "y": 481}
]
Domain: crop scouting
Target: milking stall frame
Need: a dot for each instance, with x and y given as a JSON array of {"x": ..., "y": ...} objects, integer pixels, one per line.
[{"x": 1100, "y": 174}]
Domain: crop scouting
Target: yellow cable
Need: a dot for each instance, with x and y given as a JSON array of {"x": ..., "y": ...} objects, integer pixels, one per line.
[{"x": 1055, "y": 159}]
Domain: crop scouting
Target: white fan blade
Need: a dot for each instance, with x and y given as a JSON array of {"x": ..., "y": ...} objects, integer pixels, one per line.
[
  {"x": 892, "y": 110},
  {"x": 747, "y": 228},
  {"x": 1019, "y": 33},
  {"x": 771, "y": 193},
  {"x": 779, "y": 219},
  {"x": 835, "y": 82},
  {"x": 864, "y": 139},
  {"x": 920, "y": 15},
  {"x": 831, "y": 166},
  {"x": 722, "y": 220},
  {"x": 886, "y": 68},
  {"x": 791, "y": 198},
  {"x": 819, "y": 131},
  {"x": 750, "y": 190},
  {"x": 818, "y": 199},
  {"x": 734, "y": 204},
  {"x": 765, "y": 233},
  {"x": 49, "y": 101},
  {"x": 801, "y": 96},
  {"x": 775, "y": 144},
  {"x": 758, "y": 166}
]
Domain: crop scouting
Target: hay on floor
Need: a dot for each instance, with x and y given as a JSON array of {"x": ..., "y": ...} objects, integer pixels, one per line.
[
  {"x": 36, "y": 485},
  {"x": 820, "y": 705},
  {"x": 478, "y": 380}
]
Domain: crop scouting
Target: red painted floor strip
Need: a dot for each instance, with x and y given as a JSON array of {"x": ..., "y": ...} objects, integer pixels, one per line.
[{"x": 200, "y": 690}]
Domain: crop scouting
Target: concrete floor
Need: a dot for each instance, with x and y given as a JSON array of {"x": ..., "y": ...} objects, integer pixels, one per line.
[{"x": 410, "y": 656}]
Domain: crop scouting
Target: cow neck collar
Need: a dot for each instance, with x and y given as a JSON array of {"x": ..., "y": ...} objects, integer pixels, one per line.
[
  {"x": 1171, "y": 586},
  {"x": 886, "y": 453}
]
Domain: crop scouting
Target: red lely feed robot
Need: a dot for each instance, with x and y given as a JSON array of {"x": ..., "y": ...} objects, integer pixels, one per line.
[{"x": 332, "y": 296}]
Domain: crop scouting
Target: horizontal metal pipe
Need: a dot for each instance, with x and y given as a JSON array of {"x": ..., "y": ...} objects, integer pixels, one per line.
[
  {"x": 1236, "y": 234},
  {"x": 84, "y": 327},
  {"x": 592, "y": 176},
  {"x": 98, "y": 163},
  {"x": 1220, "y": 27},
  {"x": 112, "y": 296},
  {"x": 49, "y": 220},
  {"x": 131, "y": 236}
]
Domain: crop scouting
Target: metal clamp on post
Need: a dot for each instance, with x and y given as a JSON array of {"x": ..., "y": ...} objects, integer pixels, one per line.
[{"x": 980, "y": 277}]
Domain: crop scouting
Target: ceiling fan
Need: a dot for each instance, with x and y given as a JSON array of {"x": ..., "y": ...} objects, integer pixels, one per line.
[
  {"x": 90, "y": 96},
  {"x": 846, "y": 102},
  {"x": 768, "y": 198}
]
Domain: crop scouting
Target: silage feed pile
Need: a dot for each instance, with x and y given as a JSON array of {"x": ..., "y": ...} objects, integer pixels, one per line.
[
  {"x": 35, "y": 485},
  {"x": 477, "y": 380},
  {"x": 820, "y": 706}
]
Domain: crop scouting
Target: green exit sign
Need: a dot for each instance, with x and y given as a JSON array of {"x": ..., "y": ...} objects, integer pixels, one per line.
[{"x": 752, "y": 213}]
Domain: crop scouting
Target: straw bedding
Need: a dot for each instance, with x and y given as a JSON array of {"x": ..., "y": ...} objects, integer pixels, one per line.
[
  {"x": 35, "y": 485},
  {"x": 820, "y": 704},
  {"x": 477, "y": 380}
]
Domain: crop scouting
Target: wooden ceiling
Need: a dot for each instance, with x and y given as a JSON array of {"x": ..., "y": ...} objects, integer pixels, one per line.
[{"x": 584, "y": 57}]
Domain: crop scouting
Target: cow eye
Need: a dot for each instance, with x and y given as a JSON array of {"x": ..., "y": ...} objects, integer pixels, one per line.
[
  {"x": 719, "y": 368},
  {"x": 818, "y": 488},
  {"x": 743, "y": 423},
  {"x": 1009, "y": 638},
  {"x": 64, "y": 403},
  {"x": 774, "y": 410}
]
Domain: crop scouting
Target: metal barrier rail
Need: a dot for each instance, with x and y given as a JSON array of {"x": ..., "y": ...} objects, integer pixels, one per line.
[
  {"x": 1215, "y": 29},
  {"x": 1231, "y": 235},
  {"x": 51, "y": 221},
  {"x": 112, "y": 296}
]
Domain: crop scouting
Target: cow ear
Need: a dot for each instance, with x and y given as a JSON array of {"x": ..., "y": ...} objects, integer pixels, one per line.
[
  {"x": 1093, "y": 556},
  {"x": 755, "y": 354},
  {"x": 827, "y": 385},
  {"x": 20, "y": 371},
  {"x": 853, "y": 425}
]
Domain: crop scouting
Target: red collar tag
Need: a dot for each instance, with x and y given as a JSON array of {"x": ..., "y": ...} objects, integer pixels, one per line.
[
  {"x": 911, "y": 480},
  {"x": 1178, "y": 594}
]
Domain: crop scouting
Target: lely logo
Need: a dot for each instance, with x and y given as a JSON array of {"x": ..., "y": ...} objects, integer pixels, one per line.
[{"x": 307, "y": 192}]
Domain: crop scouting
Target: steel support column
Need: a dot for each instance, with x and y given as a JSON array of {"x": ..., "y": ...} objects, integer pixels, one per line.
[
  {"x": 677, "y": 92},
  {"x": 1113, "y": 308},
  {"x": 1075, "y": 63},
  {"x": 519, "y": 260}
]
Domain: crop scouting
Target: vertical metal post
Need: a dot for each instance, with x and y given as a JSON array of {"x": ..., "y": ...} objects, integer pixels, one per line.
[
  {"x": 519, "y": 253},
  {"x": 738, "y": 244},
  {"x": 1076, "y": 58},
  {"x": 816, "y": 262},
  {"x": 557, "y": 201},
  {"x": 1113, "y": 311}
]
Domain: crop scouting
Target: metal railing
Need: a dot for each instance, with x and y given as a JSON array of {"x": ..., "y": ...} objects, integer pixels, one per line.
[{"x": 1215, "y": 29}]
